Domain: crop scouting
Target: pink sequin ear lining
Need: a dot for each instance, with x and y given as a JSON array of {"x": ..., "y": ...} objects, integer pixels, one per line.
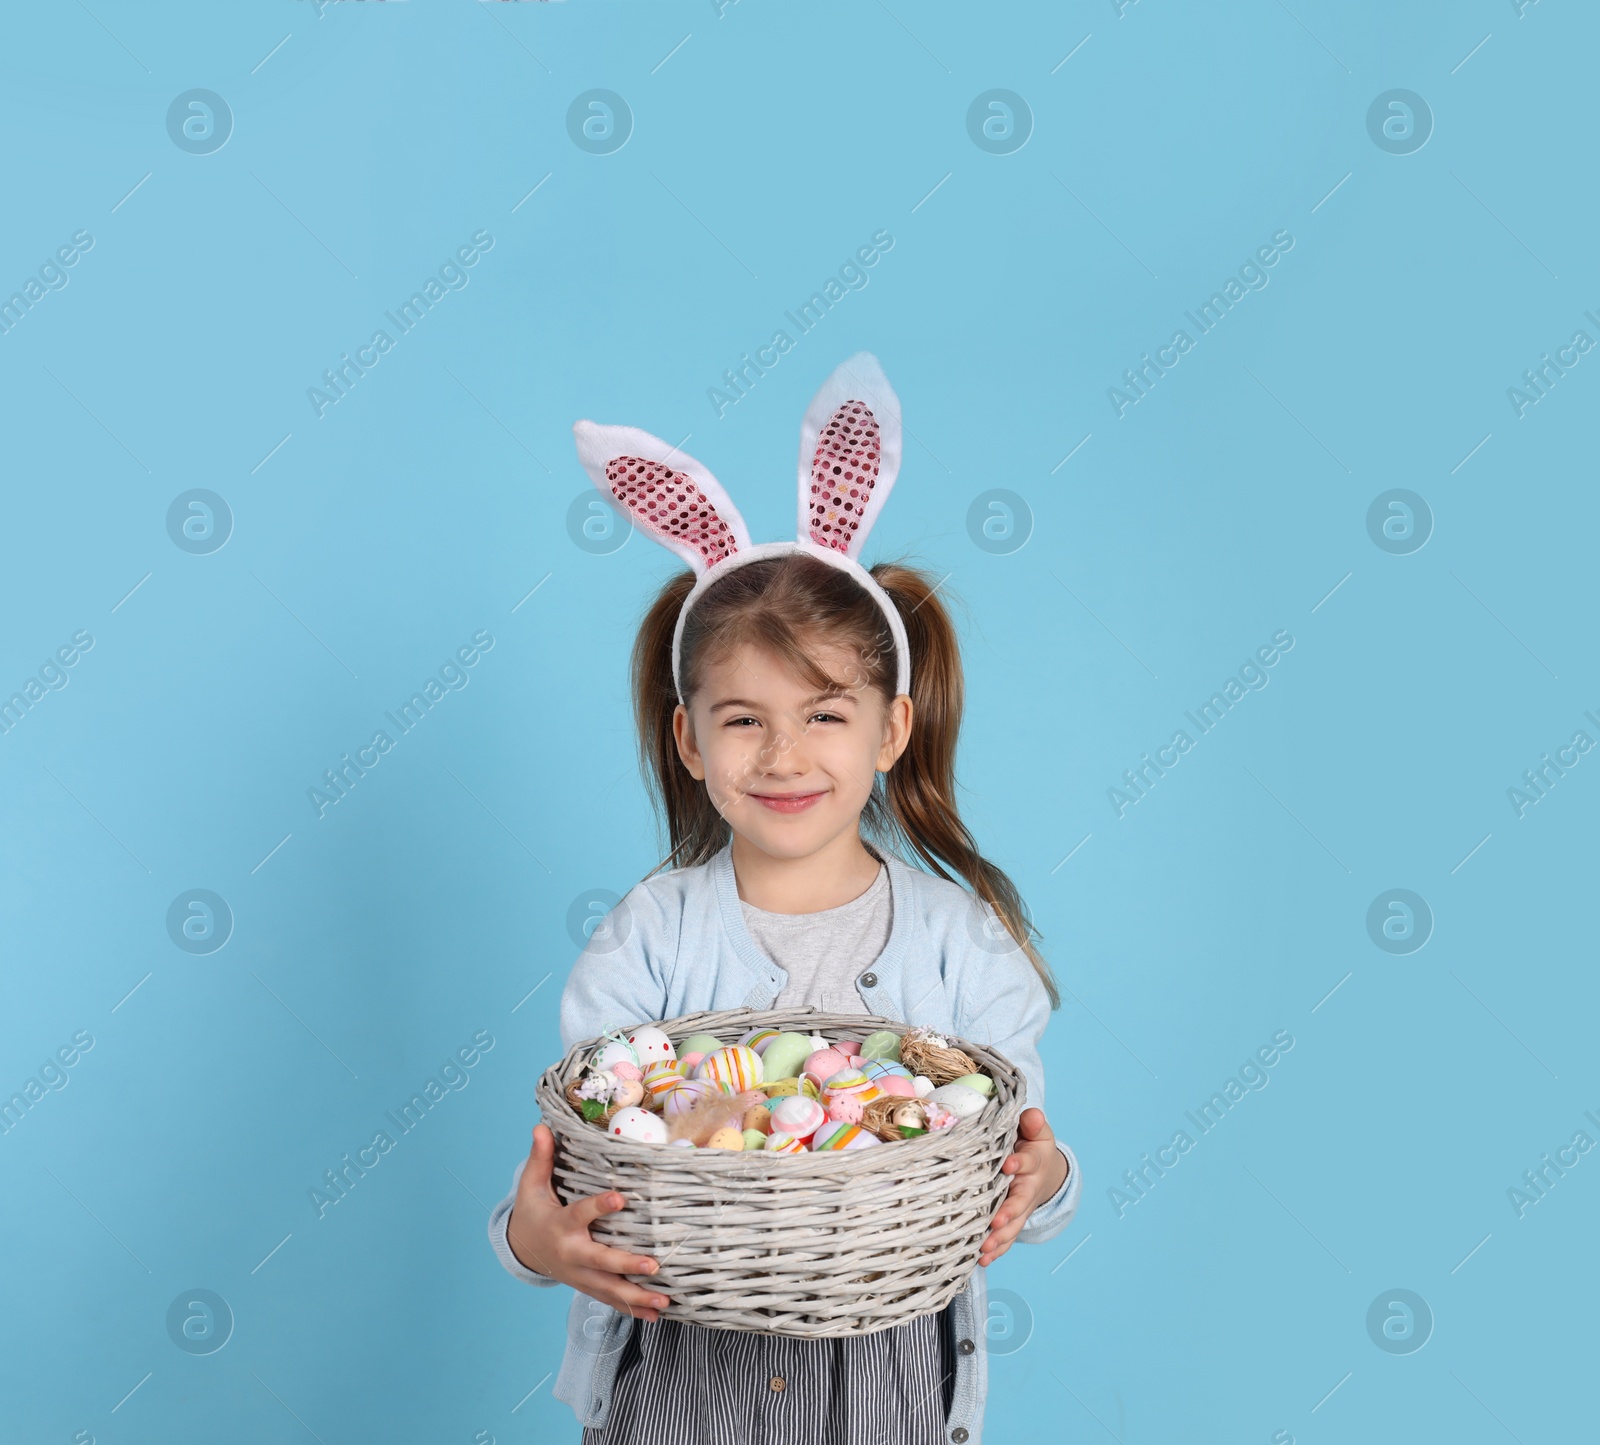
[
  {"x": 843, "y": 473},
  {"x": 670, "y": 505}
]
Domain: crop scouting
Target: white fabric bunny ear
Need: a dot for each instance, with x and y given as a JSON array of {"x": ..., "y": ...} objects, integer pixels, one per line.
[
  {"x": 667, "y": 495},
  {"x": 849, "y": 455}
]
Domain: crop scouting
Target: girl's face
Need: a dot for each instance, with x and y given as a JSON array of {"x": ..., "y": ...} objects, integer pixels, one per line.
[{"x": 788, "y": 768}]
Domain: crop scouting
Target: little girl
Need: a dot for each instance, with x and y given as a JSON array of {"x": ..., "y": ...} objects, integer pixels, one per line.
[{"x": 798, "y": 718}]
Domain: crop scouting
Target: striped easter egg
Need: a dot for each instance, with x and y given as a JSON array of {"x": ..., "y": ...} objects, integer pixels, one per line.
[
  {"x": 841, "y": 1135},
  {"x": 784, "y": 1144},
  {"x": 849, "y": 1084},
  {"x": 758, "y": 1039},
  {"x": 732, "y": 1069},
  {"x": 882, "y": 1068},
  {"x": 660, "y": 1079},
  {"x": 678, "y": 1100}
]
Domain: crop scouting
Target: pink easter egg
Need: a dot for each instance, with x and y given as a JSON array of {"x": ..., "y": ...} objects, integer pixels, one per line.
[
  {"x": 845, "y": 1109},
  {"x": 797, "y": 1116},
  {"x": 690, "y": 1061},
  {"x": 848, "y": 1046},
  {"x": 624, "y": 1070},
  {"x": 824, "y": 1063},
  {"x": 897, "y": 1085}
]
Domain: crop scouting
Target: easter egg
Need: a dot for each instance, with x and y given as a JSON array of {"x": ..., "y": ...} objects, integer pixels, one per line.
[
  {"x": 848, "y": 1047},
  {"x": 613, "y": 1052},
  {"x": 637, "y": 1124},
  {"x": 754, "y": 1139},
  {"x": 784, "y": 1055},
  {"x": 699, "y": 1044},
  {"x": 680, "y": 1144},
  {"x": 877, "y": 1070},
  {"x": 758, "y": 1039},
  {"x": 627, "y": 1092},
  {"x": 797, "y": 1116},
  {"x": 726, "y": 1138},
  {"x": 959, "y": 1100},
  {"x": 757, "y": 1117},
  {"x": 690, "y": 1062},
  {"x": 898, "y": 1085},
  {"x": 842, "y": 1136},
  {"x": 885, "y": 1044},
  {"x": 783, "y": 1088},
  {"x": 660, "y": 1080},
  {"x": 922, "y": 1084},
  {"x": 688, "y": 1091},
  {"x": 981, "y": 1082},
  {"x": 852, "y": 1083},
  {"x": 734, "y": 1069},
  {"x": 651, "y": 1045},
  {"x": 624, "y": 1070},
  {"x": 845, "y": 1108},
  {"x": 785, "y": 1144},
  {"x": 824, "y": 1063}
]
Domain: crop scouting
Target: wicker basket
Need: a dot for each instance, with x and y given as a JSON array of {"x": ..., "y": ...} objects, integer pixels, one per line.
[{"x": 807, "y": 1245}]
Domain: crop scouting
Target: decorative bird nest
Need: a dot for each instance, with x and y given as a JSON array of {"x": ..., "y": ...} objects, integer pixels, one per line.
[{"x": 810, "y": 1244}]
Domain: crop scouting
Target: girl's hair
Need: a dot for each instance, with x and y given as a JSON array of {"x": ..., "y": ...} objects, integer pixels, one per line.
[{"x": 793, "y": 606}]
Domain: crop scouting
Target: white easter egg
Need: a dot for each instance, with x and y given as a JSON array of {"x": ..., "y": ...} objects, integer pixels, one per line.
[
  {"x": 923, "y": 1085},
  {"x": 652, "y": 1045},
  {"x": 959, "y": 1100},
  {"x": 637, "y": 1124},
  {"x": 615, "y": 1051}
]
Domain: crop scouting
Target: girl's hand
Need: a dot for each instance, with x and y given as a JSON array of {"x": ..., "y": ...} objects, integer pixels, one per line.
[
  {"x": 553, "y": 1239},
  {"x": 1039, "y": 1170}
]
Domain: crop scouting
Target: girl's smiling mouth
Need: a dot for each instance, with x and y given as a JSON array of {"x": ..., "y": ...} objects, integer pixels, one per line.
[{"x": 786, "y": 802}]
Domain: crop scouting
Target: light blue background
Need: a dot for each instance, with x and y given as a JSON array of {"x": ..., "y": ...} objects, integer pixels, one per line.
[{"x": 1229, "y": 1302}]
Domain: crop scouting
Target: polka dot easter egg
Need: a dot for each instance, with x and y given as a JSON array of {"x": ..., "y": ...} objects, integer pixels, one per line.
[
  {"x": 614, "y": 1052},
  {"x": 734, "y": 1069},
  {"x": 652, "y": 1046},
  {"x": 637, "y": 1124}
]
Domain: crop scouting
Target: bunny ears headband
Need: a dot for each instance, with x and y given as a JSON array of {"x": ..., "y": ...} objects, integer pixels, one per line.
[{"x": 849, "y": 458}]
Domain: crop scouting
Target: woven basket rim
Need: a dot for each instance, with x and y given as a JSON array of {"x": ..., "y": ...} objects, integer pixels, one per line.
[{"x": 1009, "y": 1091}]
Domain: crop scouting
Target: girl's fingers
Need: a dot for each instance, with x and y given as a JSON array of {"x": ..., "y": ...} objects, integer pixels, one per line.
[
  {"x": 620, "y": 1295},
  {"x": 603, "y": 1257},
  {"x": 541, "y": 1159},
  {"x": 586, "y": 1211}
]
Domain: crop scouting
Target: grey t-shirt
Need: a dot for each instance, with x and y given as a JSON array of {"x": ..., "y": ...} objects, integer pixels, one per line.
[{"x": 824, "y": 953}]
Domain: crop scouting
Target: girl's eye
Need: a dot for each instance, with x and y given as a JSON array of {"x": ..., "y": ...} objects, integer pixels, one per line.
[
  {"x": 734, "y": 722},
  {"x": 825, "y": 717}
]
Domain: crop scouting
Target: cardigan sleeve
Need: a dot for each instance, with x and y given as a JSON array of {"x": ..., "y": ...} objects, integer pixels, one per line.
[
  {"x": 1001, "y": 1002},
  {"x": 620, "y": 979}
]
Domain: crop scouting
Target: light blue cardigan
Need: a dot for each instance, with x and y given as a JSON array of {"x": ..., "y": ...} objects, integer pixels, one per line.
[{"x": 686, "y": 949}]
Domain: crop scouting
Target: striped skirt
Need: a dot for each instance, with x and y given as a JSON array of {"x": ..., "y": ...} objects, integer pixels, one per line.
[{"x": 681, "y": 1384}]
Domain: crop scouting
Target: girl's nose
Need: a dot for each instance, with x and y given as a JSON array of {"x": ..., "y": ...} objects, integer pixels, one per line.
[{"x": 783, "y": 755}]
